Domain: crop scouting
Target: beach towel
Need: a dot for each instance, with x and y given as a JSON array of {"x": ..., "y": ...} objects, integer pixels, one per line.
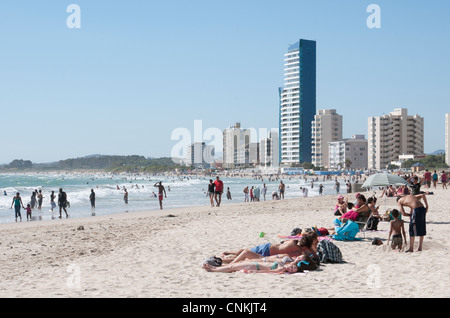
[
  {"x": 328, "y": 252},
  {"x": 297, "y": 237},
  {"x": 347, "y": 231}
]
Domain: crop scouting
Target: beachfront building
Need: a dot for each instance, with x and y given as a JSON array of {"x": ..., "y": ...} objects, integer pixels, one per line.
[
  {"x": 349, "y": 153},
  {"x": 269, "y": 150},
  {"x": 447, "y": 139},
  {"x": 393, "y": 135},
  {"x": 237, "y": 151},
  {"x": 326, "y": 127},
  {"x": 199, "y": 155},
  {"x": 297, "y": 102}
]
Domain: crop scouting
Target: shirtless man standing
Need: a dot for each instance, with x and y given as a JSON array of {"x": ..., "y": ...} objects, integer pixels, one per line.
[
  {"x": 281, "y": 187},
  {"x": 161, "y": 190},
  {"x": 417, "y": 224}
]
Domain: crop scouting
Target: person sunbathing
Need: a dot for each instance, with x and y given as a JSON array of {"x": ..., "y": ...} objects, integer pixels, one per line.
[
  {"x": 278, "y": 267},
  {"x": 292, "y": 248}
]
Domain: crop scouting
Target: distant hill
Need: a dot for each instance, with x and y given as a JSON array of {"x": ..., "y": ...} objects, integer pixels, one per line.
[
  {"x": 437, "y": 152},
  {"x": 132, "y": 163}
]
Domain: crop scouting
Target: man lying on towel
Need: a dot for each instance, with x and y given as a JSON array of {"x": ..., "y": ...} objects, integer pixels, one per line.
[{"x": 291, "y": 248}]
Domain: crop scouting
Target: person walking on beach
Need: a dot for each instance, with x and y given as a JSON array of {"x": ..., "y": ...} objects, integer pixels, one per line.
[
  {"x": 161, "y": 190},
  {"x": 228, "y": 193},
  {"x": 417, "y": 225},
  {"x": 92, "y": 198},
  {"x": 52, "y": 200},
  {"x": 435, "y": 179},
  {"x": 264, "y": 191},
  {"x": 246, "y": 196},
  {"x": 218, "y": 191},
  {"x": 444, "y": 180},
  {"x": 320, "y": 189},
  {"x": 17, "y": 201},
  {"x": 211, "y": 187},
  {"x": 62, "y": 202},
  {"x": 337, "y": 186}
]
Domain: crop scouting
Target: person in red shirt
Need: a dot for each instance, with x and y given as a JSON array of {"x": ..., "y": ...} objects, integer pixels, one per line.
[{"x": 218, "y": 190}]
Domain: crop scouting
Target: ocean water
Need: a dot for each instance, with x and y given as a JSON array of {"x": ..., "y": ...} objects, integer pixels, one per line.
[{"x": 181, "y": 192}]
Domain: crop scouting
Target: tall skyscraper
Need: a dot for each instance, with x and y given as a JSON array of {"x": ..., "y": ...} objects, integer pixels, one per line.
[
  {"x": 297, "y": 102},
  {"x": 393, "y": 135},
  {"x": 326, "y": 127},
  {"x": 447, "y": 139}
]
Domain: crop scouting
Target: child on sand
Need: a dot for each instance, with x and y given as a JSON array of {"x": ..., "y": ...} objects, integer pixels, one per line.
[{"x": 397, "y": 229}]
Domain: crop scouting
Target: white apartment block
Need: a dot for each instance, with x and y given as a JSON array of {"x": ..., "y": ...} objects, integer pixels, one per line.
[
  {"x": 269, "y": 151},
  {"x": 199, "y": 155},
  {"x": 447, "y": 139},
  {"x": 236, "y": 147},
  {"x": 351, "y": 151},
  {"x": 393, "y": 135},
  {"x": 326, "y": 127}
]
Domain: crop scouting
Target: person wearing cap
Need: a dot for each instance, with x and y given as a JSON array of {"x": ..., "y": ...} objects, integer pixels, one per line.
[{"x": 341, "y": 206}]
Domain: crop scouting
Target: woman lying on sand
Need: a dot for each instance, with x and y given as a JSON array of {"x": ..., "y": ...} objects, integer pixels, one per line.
[
  {"x": 278, "y": 267},
  {"x": 292, "y": 248}
]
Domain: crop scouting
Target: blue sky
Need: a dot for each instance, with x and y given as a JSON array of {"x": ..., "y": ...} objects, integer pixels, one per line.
[{"x": 137, "y": 70}]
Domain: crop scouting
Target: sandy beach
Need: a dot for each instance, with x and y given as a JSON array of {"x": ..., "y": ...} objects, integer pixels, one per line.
[{"x": 159, "y": 253}]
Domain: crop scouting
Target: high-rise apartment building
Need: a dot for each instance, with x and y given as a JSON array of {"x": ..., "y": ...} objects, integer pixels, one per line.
[
  {"x": 447, "y": 139},
  {"x": 236, "y": 147},
  {"x": 393, "y": 135},
  {"x": 269, "y": 150},
  {"x": 297, "y": 102},
  {"x": 199, "y": 155},
  {"x": 326, "y": 127}
]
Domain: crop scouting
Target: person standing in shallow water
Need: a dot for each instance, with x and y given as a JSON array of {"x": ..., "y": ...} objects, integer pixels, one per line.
[
  {"x": 62, "y": 202},
  {"x": 92, "y": 198},
  {"x": 17, "y": 201},
  {"x": 161, "y": 190},
  {"x": 125, "y": 196}
]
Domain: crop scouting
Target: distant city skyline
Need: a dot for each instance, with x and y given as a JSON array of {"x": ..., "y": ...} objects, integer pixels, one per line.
[{"x": 136, "y": 71}]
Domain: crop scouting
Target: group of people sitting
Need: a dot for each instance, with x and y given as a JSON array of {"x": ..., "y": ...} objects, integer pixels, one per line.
[
  {"x": 290, "y": 256},
  {"x": 395, "y": 191}
]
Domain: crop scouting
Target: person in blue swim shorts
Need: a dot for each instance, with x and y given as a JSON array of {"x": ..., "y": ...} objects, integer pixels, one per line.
[
  {"x": 417, "y": 224},
  {"x": 292, "y": 248}
]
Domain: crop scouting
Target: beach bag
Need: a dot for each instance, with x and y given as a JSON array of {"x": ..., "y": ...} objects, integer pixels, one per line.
[
  {"x": 327, "y": 251},
  {"x": 372, "y": 224}
]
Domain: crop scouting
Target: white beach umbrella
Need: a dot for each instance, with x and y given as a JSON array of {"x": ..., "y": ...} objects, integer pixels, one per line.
[{"x": 383, "y": 180}]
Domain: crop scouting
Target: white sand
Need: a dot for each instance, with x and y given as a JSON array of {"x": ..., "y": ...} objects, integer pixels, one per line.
[{"x": 152, "y": 255}]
